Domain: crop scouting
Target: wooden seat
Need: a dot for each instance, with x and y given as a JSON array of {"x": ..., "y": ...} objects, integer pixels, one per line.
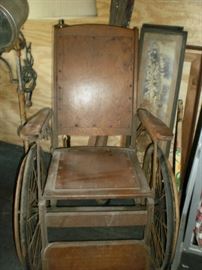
[{"x": 95, "y": 173}]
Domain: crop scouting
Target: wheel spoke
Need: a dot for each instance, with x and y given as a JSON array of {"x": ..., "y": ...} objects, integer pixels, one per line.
[
  {"x": 32, "y": 217},
  {"x": 159, "y": 249},
  {"x": 34, "y": 244},
  {"x": 162, "y": 225},
  {"x": 37, "y": 251}
]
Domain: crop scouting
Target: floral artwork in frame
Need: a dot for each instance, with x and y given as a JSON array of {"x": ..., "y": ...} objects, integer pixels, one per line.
[{"x": 162, "y": 51}]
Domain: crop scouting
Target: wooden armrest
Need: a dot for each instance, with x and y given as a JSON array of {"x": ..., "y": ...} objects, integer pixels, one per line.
[
  {"x": 154, "y": 126},
  {"x": 35, "y": 125}
]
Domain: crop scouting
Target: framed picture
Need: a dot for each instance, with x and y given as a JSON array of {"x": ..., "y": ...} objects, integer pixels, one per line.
[{"x": 162, "y": 50}]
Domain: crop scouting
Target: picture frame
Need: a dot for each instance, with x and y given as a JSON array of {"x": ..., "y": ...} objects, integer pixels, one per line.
[
  {"x": 162, "y": 50},
  {"x": 191, "y": 96}
]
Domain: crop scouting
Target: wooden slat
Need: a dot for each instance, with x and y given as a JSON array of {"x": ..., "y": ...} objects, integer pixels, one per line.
[
  {"x": 71, "y": 208},
  {"x": 97, "y": 140},
  {"x": 194, "y": 47},
  {"x": 96, "y": 219},
  {"x": 120, "y": 12},
  {"x": 117, "y": 255},
  {"x": 191, "y": 106}
]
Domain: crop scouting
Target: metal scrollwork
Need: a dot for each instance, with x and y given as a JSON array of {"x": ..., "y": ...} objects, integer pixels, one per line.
[{"x": 28, "y": 75}]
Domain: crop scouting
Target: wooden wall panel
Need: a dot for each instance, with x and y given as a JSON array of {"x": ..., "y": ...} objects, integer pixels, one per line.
[{"x": 187, "y": 13}]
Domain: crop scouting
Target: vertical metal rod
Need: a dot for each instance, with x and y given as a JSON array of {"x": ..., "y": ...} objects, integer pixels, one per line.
[
  {"x": 150, "y": 210},
  {"x": 154, "y": 169},
  {"x": 43, "y": 225},
  {"x": 39, "y": 180},
  {"x": 42, "y": 202},
  {"x": 21, "y": 96}
]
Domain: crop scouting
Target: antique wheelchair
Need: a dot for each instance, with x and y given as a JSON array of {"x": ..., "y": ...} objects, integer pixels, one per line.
[{"x": 95, "y": 207}]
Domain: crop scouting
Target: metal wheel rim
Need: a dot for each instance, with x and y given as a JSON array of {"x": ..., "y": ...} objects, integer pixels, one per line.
[
  {"x": 16, "y": 213},
  {"x": 29, "y": 218},
  {"x": 162, "y": 227}
]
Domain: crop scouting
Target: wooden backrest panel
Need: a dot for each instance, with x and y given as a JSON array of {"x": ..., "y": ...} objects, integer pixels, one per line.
[{"x": 94, "y": 72}]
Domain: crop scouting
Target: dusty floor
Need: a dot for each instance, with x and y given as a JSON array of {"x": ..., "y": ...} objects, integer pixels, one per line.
[{"x": 10, "y": 156}]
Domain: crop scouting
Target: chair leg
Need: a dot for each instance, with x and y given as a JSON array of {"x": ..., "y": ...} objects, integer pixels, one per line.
[
  {"x": 42, "y": 218},
  {"x": 150, "y": 210}
]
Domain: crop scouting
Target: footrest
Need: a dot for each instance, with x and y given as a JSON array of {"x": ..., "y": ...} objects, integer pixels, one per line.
[{"x": 102, "y": 255}]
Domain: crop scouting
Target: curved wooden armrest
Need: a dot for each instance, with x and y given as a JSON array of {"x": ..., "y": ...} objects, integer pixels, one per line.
[
  {"x": 35, "y": 126},
  {"x": 154, "y": 126}
]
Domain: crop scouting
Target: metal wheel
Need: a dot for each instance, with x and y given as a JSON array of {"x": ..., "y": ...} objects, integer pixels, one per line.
[
  {"x": 26, "y": 215},
  {"x": 16, "y": 215},
  {"x": 165, "y": 220}
]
